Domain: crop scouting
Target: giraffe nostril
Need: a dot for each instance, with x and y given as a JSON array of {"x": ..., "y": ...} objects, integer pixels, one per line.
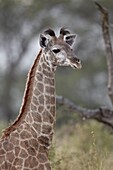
[{"x": 77, "y": 60}]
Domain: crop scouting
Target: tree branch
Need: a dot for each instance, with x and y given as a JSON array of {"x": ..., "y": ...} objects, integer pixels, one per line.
[
  {"x": 108, "y": 47},
  {"x": 102, "y": 114}
]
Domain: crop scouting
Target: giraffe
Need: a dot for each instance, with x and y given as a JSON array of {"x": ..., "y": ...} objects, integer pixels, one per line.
[{"x": 25, "y": 144}]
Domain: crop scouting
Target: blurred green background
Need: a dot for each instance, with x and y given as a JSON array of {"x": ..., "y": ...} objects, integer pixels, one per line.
[{"x": 21, "y": 22}]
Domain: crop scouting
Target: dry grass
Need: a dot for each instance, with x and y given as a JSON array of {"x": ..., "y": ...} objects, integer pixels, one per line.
[
  {"x": 83, "y": 147},
  {"x": 2, "y": 126}
]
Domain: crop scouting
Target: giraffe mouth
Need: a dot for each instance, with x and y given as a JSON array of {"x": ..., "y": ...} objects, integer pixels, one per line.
[{"x": 75, "y": 63}]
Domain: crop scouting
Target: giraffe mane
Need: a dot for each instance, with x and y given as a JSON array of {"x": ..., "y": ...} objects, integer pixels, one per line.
[{"x": 26, "y": 99}]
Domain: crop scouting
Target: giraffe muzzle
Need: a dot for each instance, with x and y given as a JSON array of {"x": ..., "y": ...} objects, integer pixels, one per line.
[{"x": 75, "y": 63}]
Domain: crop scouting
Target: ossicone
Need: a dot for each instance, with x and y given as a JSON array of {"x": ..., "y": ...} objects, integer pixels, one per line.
[
  {"x": 49, "y": 32},
  {"x": 64, "y": 31}
]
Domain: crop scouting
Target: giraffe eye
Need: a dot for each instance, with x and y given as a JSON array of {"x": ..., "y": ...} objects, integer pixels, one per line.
[{"x": 56, "y": 51}]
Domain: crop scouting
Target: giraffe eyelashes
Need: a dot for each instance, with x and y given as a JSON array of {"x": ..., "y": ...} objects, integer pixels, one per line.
[{"x": 56, "y": 50}]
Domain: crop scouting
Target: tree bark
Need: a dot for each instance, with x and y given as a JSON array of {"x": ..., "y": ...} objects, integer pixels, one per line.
[{"x": 108, "y": 48}]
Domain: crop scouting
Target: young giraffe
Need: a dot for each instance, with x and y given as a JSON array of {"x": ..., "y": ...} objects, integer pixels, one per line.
[{"x": 25, "y": 144}]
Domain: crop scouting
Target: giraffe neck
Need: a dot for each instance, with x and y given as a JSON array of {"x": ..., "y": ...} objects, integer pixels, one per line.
[
  {"x": 25, "y": 144},
  {"x": 41, "y": 114},
  {"x": 38, "y": 108}
]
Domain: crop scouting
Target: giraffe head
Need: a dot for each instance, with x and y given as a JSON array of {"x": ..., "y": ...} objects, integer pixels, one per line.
[{"x": 58, "y": 50}]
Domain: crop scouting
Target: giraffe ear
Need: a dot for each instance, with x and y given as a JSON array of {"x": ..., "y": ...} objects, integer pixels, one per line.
[
  {"x": 70, "y": 38},
  {"x": 43, "y": 41}
]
